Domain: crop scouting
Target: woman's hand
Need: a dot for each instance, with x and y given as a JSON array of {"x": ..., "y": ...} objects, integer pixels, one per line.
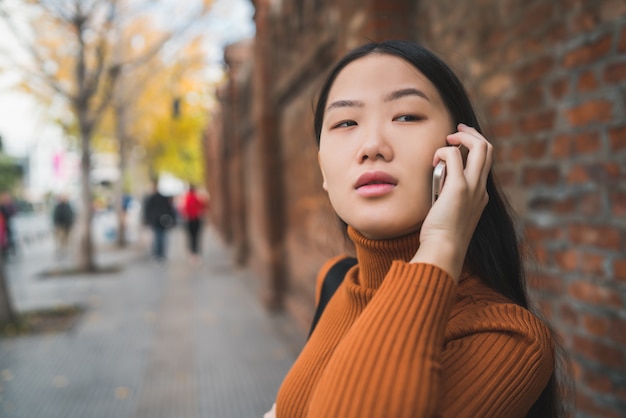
[{"x": 450, "y": 224}]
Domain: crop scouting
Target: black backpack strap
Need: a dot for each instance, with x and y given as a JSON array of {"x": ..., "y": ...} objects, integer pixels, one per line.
[{"x": 331, "y": 283}]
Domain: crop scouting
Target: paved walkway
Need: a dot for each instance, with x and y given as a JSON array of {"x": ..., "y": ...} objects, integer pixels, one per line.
[{"x": 167, "y": 340}]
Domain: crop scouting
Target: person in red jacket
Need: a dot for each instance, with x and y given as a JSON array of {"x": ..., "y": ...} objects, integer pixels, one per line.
[{"x": 193, "y": 207}]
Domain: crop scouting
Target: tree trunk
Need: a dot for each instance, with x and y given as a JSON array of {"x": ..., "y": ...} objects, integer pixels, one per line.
[
  {"x": 7, "y": 314},
  {"x": 122, "y": 140},
  {"x": 86, "y": 256}
]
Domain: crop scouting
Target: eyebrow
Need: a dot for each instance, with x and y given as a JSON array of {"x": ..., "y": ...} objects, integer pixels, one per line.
[
  {"x": 344, "y": 103},
  {"x": 398, "y": 94},
  {"x": 395, "y": 95}
]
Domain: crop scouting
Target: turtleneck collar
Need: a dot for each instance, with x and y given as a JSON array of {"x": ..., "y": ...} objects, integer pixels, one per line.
[{"x": 375, "y": 256}]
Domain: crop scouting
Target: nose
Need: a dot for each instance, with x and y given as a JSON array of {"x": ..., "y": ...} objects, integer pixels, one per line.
[{"x": 375, "y": 146}]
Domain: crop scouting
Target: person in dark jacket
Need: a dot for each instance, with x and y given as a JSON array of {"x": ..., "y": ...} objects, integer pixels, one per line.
[
  {"x": 160, "y": 215},
  {"x": 63, "y": 220},
  {"x": 7, "y": 210}
]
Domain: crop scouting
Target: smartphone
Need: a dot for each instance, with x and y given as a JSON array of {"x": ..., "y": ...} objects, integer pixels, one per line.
[{"x": 439, "y": 173}]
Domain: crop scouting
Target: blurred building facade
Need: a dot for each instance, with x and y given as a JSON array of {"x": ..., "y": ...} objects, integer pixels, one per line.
[{"x": 549, "y": 81}]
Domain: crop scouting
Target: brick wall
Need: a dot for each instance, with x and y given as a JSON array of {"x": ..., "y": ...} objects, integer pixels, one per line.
[{"x": 549, "y": 80}]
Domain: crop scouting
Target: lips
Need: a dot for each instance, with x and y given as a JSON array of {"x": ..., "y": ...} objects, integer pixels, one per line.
[{"x": 375, "y": 177}]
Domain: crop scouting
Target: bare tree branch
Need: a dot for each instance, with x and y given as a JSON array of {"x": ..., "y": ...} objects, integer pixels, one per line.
[{"x": 41, "y": 73}]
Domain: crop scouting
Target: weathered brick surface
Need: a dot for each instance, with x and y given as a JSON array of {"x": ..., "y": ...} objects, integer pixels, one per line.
[{"x": 549, "y": 80}]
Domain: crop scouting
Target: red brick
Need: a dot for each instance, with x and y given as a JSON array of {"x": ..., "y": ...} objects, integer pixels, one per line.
[
  {"x": 617, "y": 138},
  {"x": 589, "y": 407},
  {"x": 536, "y": 148},
  {"x": 397, "y": 7},
  {"x": 599, "y": 352},
  {"x": 545, "y": 283},
  {"x": 544, "y": 306},
  {"x": 533, "y": 176},
  {"x": 558, "y": 32},
  {"x": 584, "y": 22},
  {"x": 568, "y": 314},
  {"x": 562, "y": 146},
  {"x": 618, "y": 330},
  {"x": 537, "y": 233},
  {"x": 538, "y": 122},
  {"x": 565, "y": 205},
  {"x": 529, "y": 99},
  {"x": 595, "y": 325},
  {"x": 500, "y": 154},
  {"x": 588, "y": 53},
  {"x": 578, "y": 175},
  {"x": 516, "y": 153},
  {"x": 535, "y": 70},
  {"x": 541, "y": 254},
  {"x": 560, "y": 88},
  {"x": 502, "y": 129},
  {"x": 506, "y": 178},
  {"x": 496, "y": 109},
  {"x": 593, "y": 264},
  {"x": 595, "y": 295},
  {"x": 606, "y": 237},
  {"x": 587, "y": 143},
  {"x": 619, "y": 269},
  {"x": 496, "y": 37},
  {"x": 567, "y": 260},
  {"x": 620, "y": 393},
  {"x": 590, "y": 112},
  {"x": 618, "y": 203},
  {"x": 622, "y": 41},
  {"x": 598, "y": 382},
  {"x": 615, "y": 73},
  {"x": 587, "y": 82},
  {"x": 590, "y": 204},
  {"x": 600, "y": 173}
]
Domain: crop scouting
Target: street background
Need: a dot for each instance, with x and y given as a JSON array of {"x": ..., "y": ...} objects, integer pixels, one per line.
[{"x": 167, "y": 339}]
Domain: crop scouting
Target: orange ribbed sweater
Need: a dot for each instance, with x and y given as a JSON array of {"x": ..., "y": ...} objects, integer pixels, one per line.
[{"x": 403, "y": 340}]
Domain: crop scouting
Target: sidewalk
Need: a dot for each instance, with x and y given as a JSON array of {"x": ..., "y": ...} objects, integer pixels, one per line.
[{"x": 166, "y": 340}]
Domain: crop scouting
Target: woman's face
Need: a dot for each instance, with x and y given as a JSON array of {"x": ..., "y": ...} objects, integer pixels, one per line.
[{"x": 382, "y": 124}]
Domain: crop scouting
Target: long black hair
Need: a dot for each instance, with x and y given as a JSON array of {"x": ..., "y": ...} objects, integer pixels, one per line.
[{"x": 494, "y": 250}]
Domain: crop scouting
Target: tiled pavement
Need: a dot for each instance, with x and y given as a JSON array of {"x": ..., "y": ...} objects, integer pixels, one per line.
[{"x": 169, "y": 340}]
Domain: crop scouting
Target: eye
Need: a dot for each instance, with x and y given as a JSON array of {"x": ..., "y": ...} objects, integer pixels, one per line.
[
  {"x": 345, "y": 124},
  {"x": 409, "y": 118}
]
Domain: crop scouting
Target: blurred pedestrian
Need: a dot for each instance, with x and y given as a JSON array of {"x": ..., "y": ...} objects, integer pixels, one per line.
[
  {"x": 63, "y": 219},
  {"x": 192, "y": 210},
  {"x": 160, "y": 215},
  {"x": 3, "y": 237},
  {"x": 8, "y": 211}
]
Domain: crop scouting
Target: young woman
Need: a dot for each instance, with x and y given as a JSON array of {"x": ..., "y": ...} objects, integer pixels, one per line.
[{"x": 433, "y": 321}]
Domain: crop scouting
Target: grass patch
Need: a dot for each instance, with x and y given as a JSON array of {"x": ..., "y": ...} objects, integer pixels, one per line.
[
  {"x": 75, "y": 271},
  {"x": 54, "y": 320}
]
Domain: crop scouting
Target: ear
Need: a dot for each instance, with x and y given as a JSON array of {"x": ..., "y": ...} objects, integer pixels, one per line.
[{"x": 324, "y": 183}]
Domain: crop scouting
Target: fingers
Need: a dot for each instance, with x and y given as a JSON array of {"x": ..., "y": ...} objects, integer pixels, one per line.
[{"x": 480, "y": 156}]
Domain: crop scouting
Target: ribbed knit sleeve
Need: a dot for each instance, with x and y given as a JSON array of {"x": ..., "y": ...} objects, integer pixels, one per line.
[
  {"x": 497, "y": 361},
  {"x": 388, "y": 364},
  {"x": 356, "y": 360},
  {"x": 419, "y": 346}
]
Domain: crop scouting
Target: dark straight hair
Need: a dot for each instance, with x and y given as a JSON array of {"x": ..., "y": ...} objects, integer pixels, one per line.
[{"x": 494, "y": 250}]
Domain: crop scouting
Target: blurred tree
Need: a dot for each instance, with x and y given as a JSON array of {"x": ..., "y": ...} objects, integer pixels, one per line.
[
  {"x": 142, "y": 115},
  {"x": 10, "y": 173},
  {"x": 173, "y": 141},
  {"x": 8, "y": 176},
  {"x": 77, "y": 52}
]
